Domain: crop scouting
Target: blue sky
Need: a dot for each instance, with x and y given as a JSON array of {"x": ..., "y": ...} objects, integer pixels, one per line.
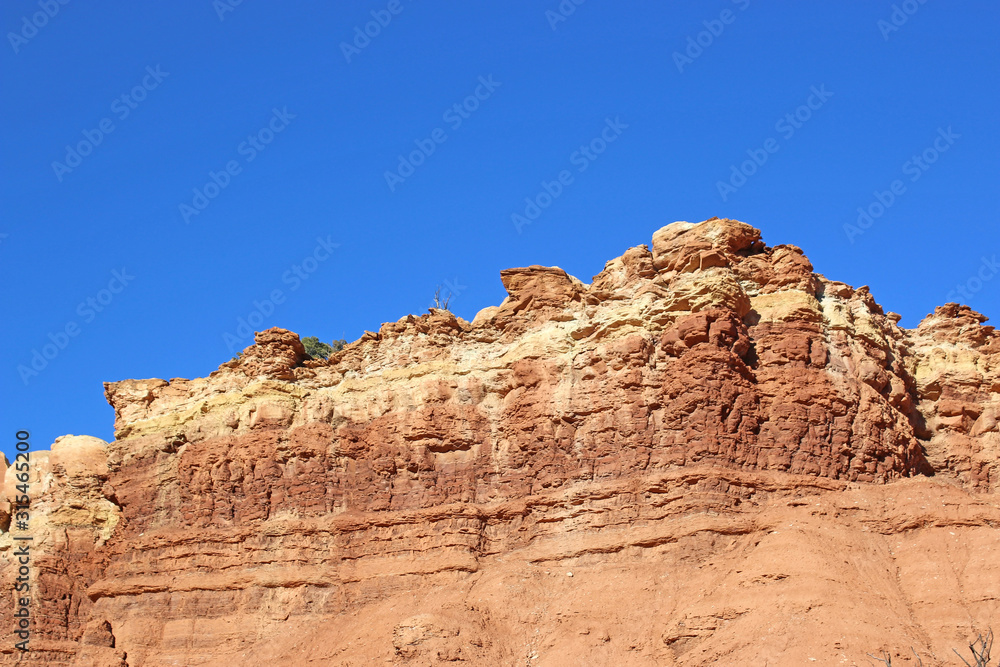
[{"x": 168, "y": 166}]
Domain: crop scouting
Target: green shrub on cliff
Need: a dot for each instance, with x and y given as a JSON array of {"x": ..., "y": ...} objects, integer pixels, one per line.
[{"x": 319, "y": 350}]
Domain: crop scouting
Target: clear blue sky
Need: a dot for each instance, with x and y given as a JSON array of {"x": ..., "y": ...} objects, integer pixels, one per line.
[{"x": 308, "y": 129}]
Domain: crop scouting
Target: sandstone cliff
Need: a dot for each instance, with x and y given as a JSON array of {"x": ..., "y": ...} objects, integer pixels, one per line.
[{"x": 708, "y": 455}]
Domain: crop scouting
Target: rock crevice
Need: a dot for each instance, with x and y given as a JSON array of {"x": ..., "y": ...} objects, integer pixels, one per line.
[{"x": 703, "y": 430}]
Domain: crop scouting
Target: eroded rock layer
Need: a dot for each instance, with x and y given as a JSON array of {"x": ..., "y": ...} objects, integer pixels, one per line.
[{"x": 709, "y": 455}]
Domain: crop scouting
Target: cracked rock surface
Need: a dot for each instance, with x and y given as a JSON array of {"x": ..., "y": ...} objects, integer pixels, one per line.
[{"x": 737, "y": 461}]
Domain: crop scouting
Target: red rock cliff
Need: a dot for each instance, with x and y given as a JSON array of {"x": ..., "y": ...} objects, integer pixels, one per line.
[{"x": 709, "y": 455}]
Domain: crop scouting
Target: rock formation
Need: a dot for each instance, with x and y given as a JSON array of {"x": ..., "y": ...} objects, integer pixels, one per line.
[{"x": 708, "y": 455}]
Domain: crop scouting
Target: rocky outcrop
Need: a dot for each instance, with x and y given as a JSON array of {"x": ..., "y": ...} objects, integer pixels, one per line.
[
  {"x": 708, "y": 455},
  {"x": 955, "y": 362}
]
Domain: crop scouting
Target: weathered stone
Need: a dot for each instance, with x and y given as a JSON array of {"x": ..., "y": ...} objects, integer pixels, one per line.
[{"x": 728, "y": 451}]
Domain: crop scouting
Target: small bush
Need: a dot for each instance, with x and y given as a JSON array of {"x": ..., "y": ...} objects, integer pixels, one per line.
[
  {"x": 441, "y": 302},
  {"x": 317, "y": 349},
  {"x": 980, "y": 650}
]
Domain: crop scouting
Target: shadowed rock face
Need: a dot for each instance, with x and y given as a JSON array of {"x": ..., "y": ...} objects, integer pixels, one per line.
[{"x": 738, "y": 460}]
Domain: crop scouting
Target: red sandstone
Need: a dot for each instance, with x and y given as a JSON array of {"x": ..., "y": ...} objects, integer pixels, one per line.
[{"x": 709, "y": 455}]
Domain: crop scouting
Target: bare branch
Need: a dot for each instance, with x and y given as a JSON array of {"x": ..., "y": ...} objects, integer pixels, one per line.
[
  {"x": 886, "y": 659},
  {"x": 980, "y": 650},
  {"x": 960, "y": 657},
  {"x": 439, "y": 302}
]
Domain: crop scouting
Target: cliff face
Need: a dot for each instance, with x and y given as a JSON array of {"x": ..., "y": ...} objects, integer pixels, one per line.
[{"x": 709, "y": 455}]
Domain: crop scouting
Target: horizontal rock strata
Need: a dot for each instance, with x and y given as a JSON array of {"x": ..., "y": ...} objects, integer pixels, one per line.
[{"x": 708, "y": 455}]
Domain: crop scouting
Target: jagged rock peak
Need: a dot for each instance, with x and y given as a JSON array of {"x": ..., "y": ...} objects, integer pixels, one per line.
[{"x": 709, "y": 430}]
